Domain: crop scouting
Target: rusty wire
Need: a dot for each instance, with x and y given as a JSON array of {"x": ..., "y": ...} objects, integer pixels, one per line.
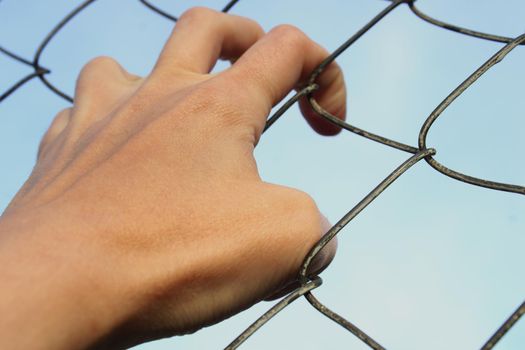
[{"x": 308, "y": 283}]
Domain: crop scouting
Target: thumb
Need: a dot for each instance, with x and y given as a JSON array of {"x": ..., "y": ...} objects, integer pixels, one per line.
[{"x": 318, "y": 264}]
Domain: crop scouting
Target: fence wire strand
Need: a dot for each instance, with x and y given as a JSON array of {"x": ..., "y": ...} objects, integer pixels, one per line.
[{"x": 308, "y": 283}]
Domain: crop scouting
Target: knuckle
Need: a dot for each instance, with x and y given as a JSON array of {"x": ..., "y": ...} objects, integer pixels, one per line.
[
  {"x": 309, "y": 217},
  {"x": 305, "y": 203},
  {"x": 218, "y": 104},
  {"x": 104, "y": 75},
  {"x": 208, "y": 107},
  {"x": 255, "y": 25},
  {"x": 300, "y": 220},
  {"x": 97, "y": 68},
  {"x": 290, "y": 34},
  {"x": 303, "y": 213},
  {"x": 198, "y": 14},
  {"x": 60, "y": 119},
  {"x": 58, "y": 124},
  {"x": 99, "y": 63}
]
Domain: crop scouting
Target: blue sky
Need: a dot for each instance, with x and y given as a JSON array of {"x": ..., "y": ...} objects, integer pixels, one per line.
[{"x": 432, "y": 263}]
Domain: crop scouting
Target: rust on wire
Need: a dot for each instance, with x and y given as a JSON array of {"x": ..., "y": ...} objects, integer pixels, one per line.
[
  {"x": 457, "y": 29},
  {"x": 365, "y": 338},
  {"x": 322, "y": 112},
  {"x": 290, "y": 298},
  {"x": 447, "y": 101},
  {"x": 328, "y": 236},
  {"x": 505, "y": 327},
  {"x": 371, "y": 136},
  {"x": 307, "y": 281}
]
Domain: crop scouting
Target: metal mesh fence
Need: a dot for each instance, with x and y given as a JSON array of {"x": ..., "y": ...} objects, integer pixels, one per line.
[{"x": 416, "y": 153}]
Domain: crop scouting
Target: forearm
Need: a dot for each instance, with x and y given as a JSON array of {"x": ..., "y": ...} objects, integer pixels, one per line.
[{"x": 46, "y": 303}]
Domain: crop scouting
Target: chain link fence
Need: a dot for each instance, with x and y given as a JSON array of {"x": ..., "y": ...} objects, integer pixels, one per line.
[{"x": 415, "y": 153}]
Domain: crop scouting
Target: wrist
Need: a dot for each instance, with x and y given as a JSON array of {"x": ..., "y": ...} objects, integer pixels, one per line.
[{"x": 53, "y": 295}]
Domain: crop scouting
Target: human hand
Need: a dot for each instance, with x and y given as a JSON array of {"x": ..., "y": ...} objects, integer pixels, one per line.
[{"x": 145, "y": 216}]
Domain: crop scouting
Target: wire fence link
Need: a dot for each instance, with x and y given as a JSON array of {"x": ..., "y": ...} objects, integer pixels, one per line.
[{"x": 417, "y": 153}]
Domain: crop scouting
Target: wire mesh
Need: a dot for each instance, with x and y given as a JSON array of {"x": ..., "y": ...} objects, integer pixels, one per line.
[{"x": 417, "y": 153}]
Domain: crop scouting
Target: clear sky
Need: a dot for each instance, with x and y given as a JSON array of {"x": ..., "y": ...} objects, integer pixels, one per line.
[{"x": 433, "y": 263}]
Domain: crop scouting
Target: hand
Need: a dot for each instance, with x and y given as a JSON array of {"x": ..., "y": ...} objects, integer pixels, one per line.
[{"x": 145, "y": 215}]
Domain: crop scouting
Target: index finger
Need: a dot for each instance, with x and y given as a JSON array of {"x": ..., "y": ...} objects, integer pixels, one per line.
[
  {"x": 202, "y": 36},
  {"x": 282, "y": 60}
]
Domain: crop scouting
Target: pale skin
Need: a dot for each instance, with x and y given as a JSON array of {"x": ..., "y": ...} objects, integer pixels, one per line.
[{"x": 145, "y": 216}]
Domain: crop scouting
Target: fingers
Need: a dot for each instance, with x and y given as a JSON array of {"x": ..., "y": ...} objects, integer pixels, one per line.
[
  {"x": 270, "y": 67},
  {"x": 202, "y": 36},
  {"x": 101, "y": 83},
  {"x": 57, "y": 126},
  {"x": 331, "y": 96},
  {"x": 282, "y": 60}
]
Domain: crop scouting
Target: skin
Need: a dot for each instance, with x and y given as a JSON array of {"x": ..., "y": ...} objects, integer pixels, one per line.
[{"x": 145, "y": 215}]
